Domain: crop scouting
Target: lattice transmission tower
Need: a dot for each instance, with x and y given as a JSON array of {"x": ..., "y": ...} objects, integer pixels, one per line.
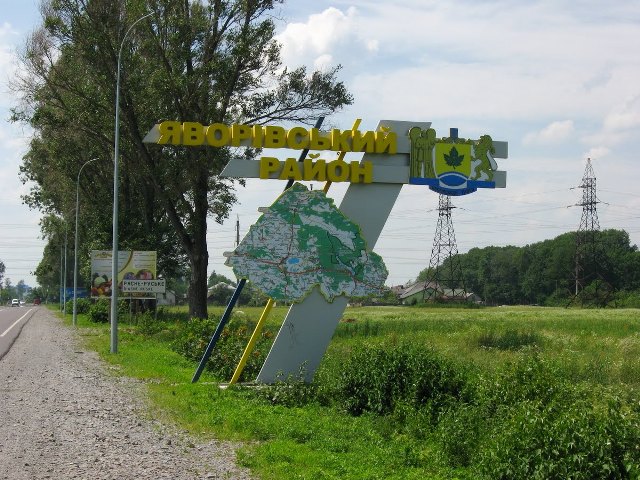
[
  {"x": 445, "y": 270},
  {"x": 590, "y": 257}
]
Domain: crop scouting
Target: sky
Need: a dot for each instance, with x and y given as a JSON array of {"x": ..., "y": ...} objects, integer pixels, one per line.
[{"x": 558, "y": 80}]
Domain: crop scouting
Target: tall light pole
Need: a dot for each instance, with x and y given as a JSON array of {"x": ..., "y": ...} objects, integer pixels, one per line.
[
  {"x": 75, "y": 248},
  {"x": 114, "y": 264},
  {"x": 64, "y": 284},
  {"x": 61, "y": 270}
]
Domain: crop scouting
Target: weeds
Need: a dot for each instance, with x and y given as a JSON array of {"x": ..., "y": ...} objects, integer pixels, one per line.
[{"x": 509, "y": 340}]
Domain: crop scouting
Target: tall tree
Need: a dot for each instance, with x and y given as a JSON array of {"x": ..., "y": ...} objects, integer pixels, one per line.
[{"x": 213, "y": 61}]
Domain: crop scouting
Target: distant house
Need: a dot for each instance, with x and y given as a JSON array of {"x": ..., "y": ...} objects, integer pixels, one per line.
[
  {"x": 166, "y": 298},
  {"x": 419, "y": 292},
  {"x": 220, "y": 286},
  {"x": 398, "y": 289},
  {"x": 220, "y": 293}
]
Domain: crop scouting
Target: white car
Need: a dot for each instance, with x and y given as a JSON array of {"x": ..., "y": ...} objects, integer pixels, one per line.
[{"x": 15, "y": 302}]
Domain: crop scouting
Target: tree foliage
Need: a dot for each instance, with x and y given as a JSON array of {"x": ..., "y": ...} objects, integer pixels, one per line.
[
  {"x": 213, "y": 62},
  {"x": 544, "y": 272}
]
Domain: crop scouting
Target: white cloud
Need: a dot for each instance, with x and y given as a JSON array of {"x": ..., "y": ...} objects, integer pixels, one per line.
[
  {"x": 323, "y": 37},
  {"x": 323, "y": 62},
  {"x": 620, "y": 124},
  {"x": 7, "y": 61},
  {"x": 599, "y": 152},
  {"x": 625, "y": 117},
  {"x": 316, "y": 36},
  {"x": 372, "y": 45},
  {"x": 553, "y": 133},
  {"x": 6, "y": 30}
]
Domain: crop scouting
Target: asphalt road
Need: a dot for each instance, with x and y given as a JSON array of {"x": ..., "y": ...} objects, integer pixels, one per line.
[{"x": 12, "y": 319}]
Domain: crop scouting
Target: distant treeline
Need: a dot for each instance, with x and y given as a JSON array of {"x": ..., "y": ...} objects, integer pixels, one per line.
[{"x": 543, "y": 273}]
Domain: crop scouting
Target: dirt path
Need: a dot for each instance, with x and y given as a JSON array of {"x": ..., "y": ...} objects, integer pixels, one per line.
[{"x": 62, "y": 416}]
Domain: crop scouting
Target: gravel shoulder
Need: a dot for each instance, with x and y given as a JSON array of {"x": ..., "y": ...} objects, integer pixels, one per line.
[{"x": 63, "y": 416}]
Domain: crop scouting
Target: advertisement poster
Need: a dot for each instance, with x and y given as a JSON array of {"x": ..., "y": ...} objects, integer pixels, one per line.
[{"x": 132, "y": 265}]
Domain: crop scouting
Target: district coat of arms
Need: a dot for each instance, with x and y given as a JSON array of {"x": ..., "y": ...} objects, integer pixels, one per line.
[{"x": 451, "y": 165}]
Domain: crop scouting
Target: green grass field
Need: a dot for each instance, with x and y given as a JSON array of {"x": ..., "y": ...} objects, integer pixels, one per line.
[
  {"x": 597, "y": 345},
  {"x": 533, "y": 387}
]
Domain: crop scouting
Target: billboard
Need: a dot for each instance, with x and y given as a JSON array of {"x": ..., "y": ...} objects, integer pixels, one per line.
[
  {"x": 68, "y": 293},
  {"x": 132, "y": 265}
]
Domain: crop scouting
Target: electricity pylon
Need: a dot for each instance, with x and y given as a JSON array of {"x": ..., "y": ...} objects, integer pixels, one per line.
[
  {"x": 445, "y": 269},
  {"x": 590, "y": 286}
]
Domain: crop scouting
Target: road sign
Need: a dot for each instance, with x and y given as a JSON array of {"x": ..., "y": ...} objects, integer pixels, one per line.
[{"x": 144, "y": 286}]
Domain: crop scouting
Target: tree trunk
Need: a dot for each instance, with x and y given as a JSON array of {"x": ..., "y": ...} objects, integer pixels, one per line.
[
  {"x": 198, "y": 260},
  {"x": 199, "y": 255}
]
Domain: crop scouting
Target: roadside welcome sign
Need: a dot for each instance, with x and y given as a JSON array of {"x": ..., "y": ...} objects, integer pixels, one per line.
[
  {"x": 304, "y": 249},
  {"x": 450, "y": 165}
]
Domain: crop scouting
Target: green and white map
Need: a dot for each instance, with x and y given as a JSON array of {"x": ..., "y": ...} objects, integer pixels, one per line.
[{"x": 301, "y": 241}]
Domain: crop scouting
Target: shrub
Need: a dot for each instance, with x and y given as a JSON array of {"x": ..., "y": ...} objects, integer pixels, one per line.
[
  {"x": 351, "y": 328},
  {"x": 147, "y": 324},
  {"x": 579, "y": 440},
  {"x": 628, "y": 299},
  {"x": 529, "y": 379},
  {"x": 377, "y": 378},
  {"x": 465, "y": 427},
  {"x": 99, "y": 311},
  {"x": 460, "y": 432},
  {"x": 82, "y": 305},
  {"x": 529, "y": 422},
  {"x": 194, "y": 336},
  {"x": 292, "y": 391}
]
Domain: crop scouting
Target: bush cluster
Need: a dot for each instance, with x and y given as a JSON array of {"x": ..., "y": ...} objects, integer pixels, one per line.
[
  {"x": 192, "y": 340},
  {"x": 98, "y": 311},
  {"x": 527, "y": 420},
  {"x": 378, "y": 378},
  {"x": 147, "y": 323},
  {"x": 82, "y": 305}
]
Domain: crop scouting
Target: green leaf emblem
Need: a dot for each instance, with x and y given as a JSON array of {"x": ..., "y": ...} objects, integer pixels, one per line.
[{"x": 454, "y": 159}]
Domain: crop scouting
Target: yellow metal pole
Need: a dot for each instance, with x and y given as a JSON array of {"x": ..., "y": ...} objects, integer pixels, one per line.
[{"x": 252, "y": 342}]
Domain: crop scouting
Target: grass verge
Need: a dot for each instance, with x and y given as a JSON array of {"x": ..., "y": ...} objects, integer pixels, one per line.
[
  {"x": 310, "y": 442},
  {"x": 523, "y": 374}
]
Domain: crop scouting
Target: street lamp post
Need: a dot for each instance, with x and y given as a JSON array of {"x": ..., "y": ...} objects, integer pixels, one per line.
[
  {"x": 75, "y": 249},
  {"x": 61, "y": 273},
  {"x": 116, "y": 146},
  {"x": 64, "y": 284}
]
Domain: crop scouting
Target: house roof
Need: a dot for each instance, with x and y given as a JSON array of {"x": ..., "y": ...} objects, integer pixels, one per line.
[
  {"x": 419, "y": 287},
  {"x": 447, "y": 293},
  {"x": 219, "y": 285}
]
